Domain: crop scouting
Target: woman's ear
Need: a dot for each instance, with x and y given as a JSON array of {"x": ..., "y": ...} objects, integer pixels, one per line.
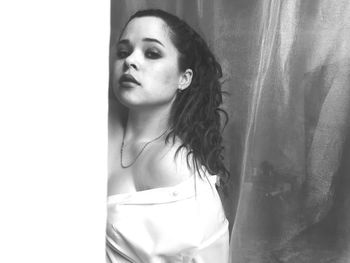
[{"x": 185, "y": 79}]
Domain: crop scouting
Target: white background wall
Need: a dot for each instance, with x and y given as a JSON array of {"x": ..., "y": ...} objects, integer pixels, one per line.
[{"x": 53, "y": 130}]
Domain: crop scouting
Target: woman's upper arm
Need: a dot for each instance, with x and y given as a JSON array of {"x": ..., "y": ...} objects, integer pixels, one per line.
[{"x": 117, "y": 115}]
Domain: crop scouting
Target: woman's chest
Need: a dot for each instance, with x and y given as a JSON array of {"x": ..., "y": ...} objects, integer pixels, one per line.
[
  {"x": 155, "y": 166},
  {"x": 121, "y": 180}
]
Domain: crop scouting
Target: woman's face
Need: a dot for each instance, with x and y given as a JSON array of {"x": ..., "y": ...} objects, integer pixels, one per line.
[{"x": 146, "y": 72}]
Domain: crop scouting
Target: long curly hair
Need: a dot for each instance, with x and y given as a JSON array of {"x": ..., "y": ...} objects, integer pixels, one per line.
[{"x": 196, "y": 114}]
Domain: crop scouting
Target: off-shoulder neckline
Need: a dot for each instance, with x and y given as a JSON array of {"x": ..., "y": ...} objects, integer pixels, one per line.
[{"x": 183, "y": 188}]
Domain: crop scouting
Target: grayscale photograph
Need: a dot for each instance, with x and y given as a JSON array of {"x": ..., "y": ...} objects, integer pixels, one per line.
[{"x": 229, "y": 131}]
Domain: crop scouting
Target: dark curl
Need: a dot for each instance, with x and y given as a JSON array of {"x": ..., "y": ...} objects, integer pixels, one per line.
[{"x": 195, "y": 115}]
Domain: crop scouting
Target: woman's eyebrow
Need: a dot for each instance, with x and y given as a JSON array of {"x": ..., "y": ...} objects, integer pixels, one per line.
[
  {"x": 123, "y": 41},
  {"x": 147, "y": 39}
]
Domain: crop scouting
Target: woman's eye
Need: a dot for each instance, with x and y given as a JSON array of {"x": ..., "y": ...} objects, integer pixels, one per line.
[
  {"x": 122, "y": 54},
  {"x": 152, "y": 54}
]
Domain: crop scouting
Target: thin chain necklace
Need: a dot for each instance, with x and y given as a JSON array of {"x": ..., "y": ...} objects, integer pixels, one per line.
[{"x": 142, "y": 149}]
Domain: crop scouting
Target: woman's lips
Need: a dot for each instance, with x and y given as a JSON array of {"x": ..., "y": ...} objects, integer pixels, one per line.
[{"x": 127, "y": 79}]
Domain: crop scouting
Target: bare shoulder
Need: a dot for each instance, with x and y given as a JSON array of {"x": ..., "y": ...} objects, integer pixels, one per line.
[{"x": 165, "y": 166}]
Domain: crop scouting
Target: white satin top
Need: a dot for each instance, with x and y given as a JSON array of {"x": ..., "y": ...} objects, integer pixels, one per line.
[{"x": 182, "y": 223}]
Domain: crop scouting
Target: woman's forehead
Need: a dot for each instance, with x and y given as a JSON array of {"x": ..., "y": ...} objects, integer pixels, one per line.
[{"x": 147, "y": 27}]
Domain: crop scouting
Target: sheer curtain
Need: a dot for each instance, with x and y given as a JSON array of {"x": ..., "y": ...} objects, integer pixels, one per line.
[{"x": 287, "y": 68}]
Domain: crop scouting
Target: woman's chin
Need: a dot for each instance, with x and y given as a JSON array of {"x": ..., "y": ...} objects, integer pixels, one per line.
[
  {"x": 131, "y": 103},
  {"x": 135, "y": 102},
  {"x": 124, "y": 98}
]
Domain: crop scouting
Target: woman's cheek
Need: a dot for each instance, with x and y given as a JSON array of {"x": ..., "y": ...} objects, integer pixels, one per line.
[{"x": 170, "y": 78}]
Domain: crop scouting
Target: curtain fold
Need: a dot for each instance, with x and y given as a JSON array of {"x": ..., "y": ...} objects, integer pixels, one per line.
[{"x": 286, "y": 66}]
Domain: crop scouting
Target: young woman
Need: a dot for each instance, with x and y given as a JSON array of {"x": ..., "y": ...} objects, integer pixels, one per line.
[{"x": 166, "y": 155}]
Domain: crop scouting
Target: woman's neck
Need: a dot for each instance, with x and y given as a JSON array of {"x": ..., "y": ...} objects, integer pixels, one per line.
[{"x": 146, "y": 124}]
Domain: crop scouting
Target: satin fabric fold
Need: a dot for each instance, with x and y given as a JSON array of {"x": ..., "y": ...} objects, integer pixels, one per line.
[{"x": 182, "y": 223}]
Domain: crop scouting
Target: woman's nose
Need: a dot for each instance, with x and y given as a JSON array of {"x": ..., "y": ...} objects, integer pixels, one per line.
[{"x": 131, "y": 61}]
